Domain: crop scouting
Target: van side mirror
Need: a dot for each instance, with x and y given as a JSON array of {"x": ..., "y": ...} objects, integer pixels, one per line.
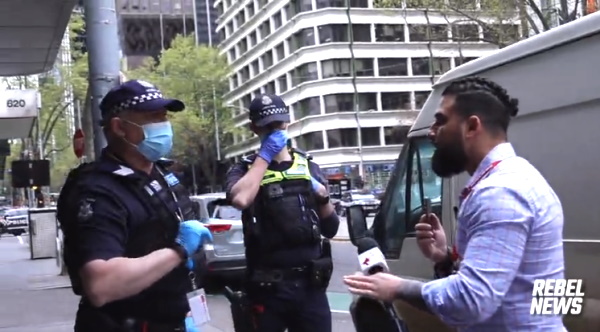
[{"x": 357, "y": 223}]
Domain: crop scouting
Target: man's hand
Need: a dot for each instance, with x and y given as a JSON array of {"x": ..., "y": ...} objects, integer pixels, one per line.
[
  {"x": 272, "y": 144},
  {"x": 380, "y": 286},
  {"x": 431, "y": 238},
  {"x": 191, "y": 237}
]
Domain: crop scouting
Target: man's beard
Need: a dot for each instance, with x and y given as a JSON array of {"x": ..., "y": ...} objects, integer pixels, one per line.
[{"x": 449, "y": 159}]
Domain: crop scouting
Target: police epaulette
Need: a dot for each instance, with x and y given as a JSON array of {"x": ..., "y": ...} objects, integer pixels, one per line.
[{"x": 304, "y": 154}]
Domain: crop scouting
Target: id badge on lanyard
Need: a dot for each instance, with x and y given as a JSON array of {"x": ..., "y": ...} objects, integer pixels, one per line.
[{"x": 197, "y": 297}]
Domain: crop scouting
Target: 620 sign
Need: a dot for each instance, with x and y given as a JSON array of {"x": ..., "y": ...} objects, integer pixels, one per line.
[{"x": 15, "y": 103}]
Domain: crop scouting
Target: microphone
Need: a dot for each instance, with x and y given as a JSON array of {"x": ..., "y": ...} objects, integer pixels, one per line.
[
  {"x": 370, "y": 257},
  {"x": 367, "y": 310}
]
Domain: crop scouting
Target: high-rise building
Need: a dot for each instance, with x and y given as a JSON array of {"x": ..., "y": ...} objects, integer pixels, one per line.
[
  {"x": 305, "y": 51},
  {"x": 148, "y": 26}
]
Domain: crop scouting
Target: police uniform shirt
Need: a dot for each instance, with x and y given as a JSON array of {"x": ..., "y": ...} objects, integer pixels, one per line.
[
  {"x": 108, "y": 212},
  {"x": 292, "y": 257}
]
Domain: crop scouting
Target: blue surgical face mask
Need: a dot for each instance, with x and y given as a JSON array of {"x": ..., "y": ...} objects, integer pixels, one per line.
[{"x": 158, "y": 140}]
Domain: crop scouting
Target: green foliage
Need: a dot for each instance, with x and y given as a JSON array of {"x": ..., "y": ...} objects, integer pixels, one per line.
[{"x": 197, "y": 76}]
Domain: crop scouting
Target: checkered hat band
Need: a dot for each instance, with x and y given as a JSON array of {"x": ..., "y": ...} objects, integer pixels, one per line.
[
  {"x": 271, "y": 111},
  {"x": 136, "y": 101}
]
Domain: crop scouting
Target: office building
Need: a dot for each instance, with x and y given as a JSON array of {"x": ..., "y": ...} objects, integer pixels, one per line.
[
  {"x": 301, "y": 50},
  {"x": 148, "y": 26}
]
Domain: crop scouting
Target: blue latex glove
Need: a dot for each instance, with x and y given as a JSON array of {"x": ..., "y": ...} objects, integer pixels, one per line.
[
  {"x": 272, "y": 144},
  {"x": 315, "y": 183},
  {"x": 192, "y": 235},
  {"x": 189, "y": 325}
]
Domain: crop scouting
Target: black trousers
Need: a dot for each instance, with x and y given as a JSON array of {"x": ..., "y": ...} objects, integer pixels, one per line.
[{"x": 293, "y": 305}]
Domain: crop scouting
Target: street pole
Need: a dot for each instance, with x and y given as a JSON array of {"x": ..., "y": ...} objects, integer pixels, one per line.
[{"x": 103, "y": 57}]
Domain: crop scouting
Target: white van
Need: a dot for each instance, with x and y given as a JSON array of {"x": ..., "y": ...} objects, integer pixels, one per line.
[{"x": 555, "y": 76}]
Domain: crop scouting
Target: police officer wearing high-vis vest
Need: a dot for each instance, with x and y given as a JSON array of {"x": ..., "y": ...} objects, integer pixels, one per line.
[
  {"x": 130, "y": 229},
  {"x": 286, "y": 214}
]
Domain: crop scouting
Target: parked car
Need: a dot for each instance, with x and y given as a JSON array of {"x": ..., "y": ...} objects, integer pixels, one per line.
[
  {"x": 14, "y": 221},
  {"x": 363, "y": 197},
  {"x": 226, "y": 254}
]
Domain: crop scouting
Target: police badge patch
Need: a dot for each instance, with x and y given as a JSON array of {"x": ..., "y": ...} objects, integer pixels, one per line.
[{"x": 85, "y": 209}]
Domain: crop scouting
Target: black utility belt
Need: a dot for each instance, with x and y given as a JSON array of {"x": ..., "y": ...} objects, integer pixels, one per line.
[
  {"x": 137, "y": 325},
  {"x": 268, "y": 275}
]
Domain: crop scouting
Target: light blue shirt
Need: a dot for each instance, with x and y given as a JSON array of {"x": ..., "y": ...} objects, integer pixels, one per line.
[{"x": 509, "y": 234}]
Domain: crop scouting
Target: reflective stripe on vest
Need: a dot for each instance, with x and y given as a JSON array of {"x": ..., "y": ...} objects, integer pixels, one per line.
[{"x": 298, "y": 171}]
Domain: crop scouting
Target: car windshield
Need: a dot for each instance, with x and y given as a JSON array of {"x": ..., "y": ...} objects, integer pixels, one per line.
[{"x": 228, "y": 213}]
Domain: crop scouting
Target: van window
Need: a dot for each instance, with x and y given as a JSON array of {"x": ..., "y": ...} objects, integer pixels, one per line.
[{"x": 413, "y": 181}]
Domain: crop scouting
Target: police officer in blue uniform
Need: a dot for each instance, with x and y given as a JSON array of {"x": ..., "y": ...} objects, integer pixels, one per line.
[
  {"x": 130, "y": 230},
  {"x": 286, "y": 214}
]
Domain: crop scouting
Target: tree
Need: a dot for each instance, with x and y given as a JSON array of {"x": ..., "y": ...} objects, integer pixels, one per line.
[
  {"x": 197, "y": 75},
  {"x": 494, "y": 16}
]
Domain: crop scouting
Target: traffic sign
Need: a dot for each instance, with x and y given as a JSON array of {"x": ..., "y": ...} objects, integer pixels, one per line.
[{"x": 79, "y": 143}]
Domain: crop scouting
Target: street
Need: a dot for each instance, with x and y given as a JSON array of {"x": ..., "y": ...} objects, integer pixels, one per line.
[{"x": 35, "y": 298}]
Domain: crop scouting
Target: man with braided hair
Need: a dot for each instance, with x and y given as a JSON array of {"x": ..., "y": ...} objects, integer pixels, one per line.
[{"x": 510, "y": 223}]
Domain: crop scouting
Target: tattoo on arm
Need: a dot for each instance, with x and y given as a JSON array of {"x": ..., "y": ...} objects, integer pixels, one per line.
[{"x": 410, "y": 292}]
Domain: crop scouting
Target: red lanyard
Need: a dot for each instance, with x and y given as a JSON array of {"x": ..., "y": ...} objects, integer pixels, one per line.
[{"x": 466, "y": 192}]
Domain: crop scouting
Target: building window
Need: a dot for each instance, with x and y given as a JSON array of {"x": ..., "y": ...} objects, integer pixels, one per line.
[
  {"x": 462, "y": 61},
  {"x": 440, "y": 65},
  {"x": 344, "y": 102},
  {"x": 239, "y": 20},
  {"x": 280, "y": 50},
  {"x": 304, "y": 73},
  {"x": 342, "y": 4},
  {"x": 245, "y": 74},
  {"x": 370, "y": 136},
  {"x": 256, "y": 93},
  {"x": 389, "y": 32},
  {"x": 299, "y": 6},
  {"x": 421, "y": 66},
  {"x": 270, "y": 88},
  {"x": 395, "y": 135},
  {"x": 395, "y": 101},
  {"x": 283, "y": 86},
  {"x": 231, "y": 53},
  {"x": 465, "y": 32},
  {"x": 233, "y": 82},
  {"x": 343, "y": 67},
  {"x": 265, "y": 29},
  {"x": 311, "y": 141},
  {"x": 267, "y": 59},
  {"x": 432, "y": 32},
  {"x": 302, "y": 38},
  {"x": 502, "y": 35},
  {"x": 339, "y": 138},
  {"x": 255, "y": 68},
  {"x": 307, "y": 107},
  {"x": 339, "y": 33},
  {"x": 393, "y": 66},
  {"x": 252, "y": 38},
  {"x": 277, "y": 21},
  {"x": 421, "y": 98},
  {"x": 262, "y": 3},
  {"x": 463, "y": 4},
  {"x": 243, "y": 45},
  {"x": 250, "y": 10},
  {"x": 246, "y": 100}
]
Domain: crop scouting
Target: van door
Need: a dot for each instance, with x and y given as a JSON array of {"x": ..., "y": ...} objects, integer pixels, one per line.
[{"x": 394, "y": 228}]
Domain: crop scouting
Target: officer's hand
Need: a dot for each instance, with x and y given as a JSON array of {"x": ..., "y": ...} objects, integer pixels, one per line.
[
  {"x": 192, "y": 235},
  {"x": 273, "y": 144},
  {"x": 189, "y": 325},
  {"x": 318, "y": 187}
]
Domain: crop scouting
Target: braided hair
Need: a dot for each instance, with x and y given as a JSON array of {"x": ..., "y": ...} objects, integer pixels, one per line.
[{"x": 485, "y": 99}]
